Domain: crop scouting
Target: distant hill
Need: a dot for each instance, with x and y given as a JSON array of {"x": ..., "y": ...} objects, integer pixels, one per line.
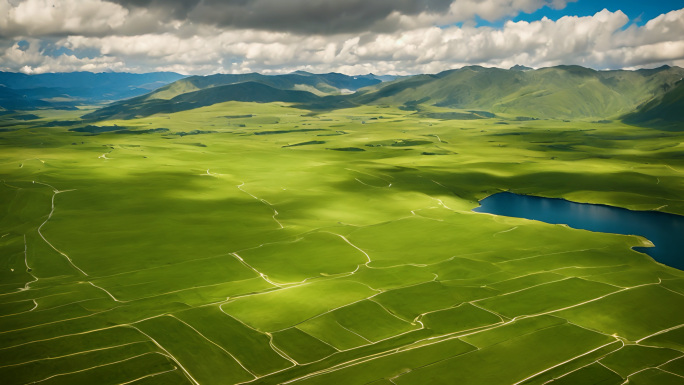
[
  {"x": 65, "y": 90},
  {"x": 196, "y": 91},
  {"x": 243, "y": 92},
  {"x": 665, "y": 111},
  {"x": 562, "y": 92},
  {"x": 319, "y": 84}
]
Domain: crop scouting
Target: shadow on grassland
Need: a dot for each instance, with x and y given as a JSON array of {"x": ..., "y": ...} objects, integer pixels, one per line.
[{"x": 473, "y": 185}]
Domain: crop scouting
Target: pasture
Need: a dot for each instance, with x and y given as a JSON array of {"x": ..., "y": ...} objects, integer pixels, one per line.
[{"x": 263, "y": 244}]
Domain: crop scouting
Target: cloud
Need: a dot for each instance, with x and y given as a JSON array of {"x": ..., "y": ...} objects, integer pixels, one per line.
[
  {"x": 65, "y": 17},
  {"x": 326, "y": 17},
  {"x": 407, "y": 40},
  {"x": 29, "y": 58}
]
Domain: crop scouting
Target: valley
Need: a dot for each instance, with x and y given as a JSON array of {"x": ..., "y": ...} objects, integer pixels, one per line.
[{"x": 250, "y": 231}]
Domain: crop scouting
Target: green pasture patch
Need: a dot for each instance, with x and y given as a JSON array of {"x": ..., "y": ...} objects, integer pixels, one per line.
[
  {"x": 412, "y": 301},
  {"x": 633, "y": 314},
  {"x": 44, "y": 261},
  {"x": 590, "y": 271},
  {"x": 392, "y": 365},
  {"x": 674, "y": 284},
  {"x": 578, "y": 257},
  {"x": 398, "y": 242},
  {"x": 632, "y": 358},
  {"x": 655, "y": 377},
  {"x": 391, "y": 277},
  {"x": 174, "y": 376},
  {"x": 459, "y": 268},
  {"x": 546, "y": 297},
  {"x": 372, "y": 321},
  {"x": 330, "y": 331},
  {"x": 512, "y": 330},
  {"x": 172, "y": 277},
  {"x": 301, "y": 346},
  {"x": 573, "y": 365},
  {"x": 460, "y": 318},
  {"x": 525, "y": 281},
  {"x": 635, "y": 277},
  {"x": 381, "y": 382},
  {"x": 13, "y": 270},
  {"x": 514, "y": 360},
  {"x": 248, "y": 346},
  {"x": 70, "y": 293},
  {"x": 205, "y": 362},
  {"x": 673, "y": 339},
  {"x": 118, "y": 372},
  {"x": 594, "y": 374},
  {"x": 55, "y": 329},
  {"x": 314, "y": 255},
  {"x": 36, "y": 318},
  {"x": 66, "y": 345},
  {"x": 8, "y": 309},
  {"x": 674, "y": 366},
  {"x": 367, "y": 322},
  {"x": 55, "y": 366},
  {"x": 26, "y": 205},
  {"x": 272, "y": 311},
  {"x": 382, "y": 347}
]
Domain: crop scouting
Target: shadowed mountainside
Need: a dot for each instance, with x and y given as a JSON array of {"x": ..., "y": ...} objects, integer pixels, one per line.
[
  {"x": 665, "y": 111},
  {"x": 562, "y": 92}
]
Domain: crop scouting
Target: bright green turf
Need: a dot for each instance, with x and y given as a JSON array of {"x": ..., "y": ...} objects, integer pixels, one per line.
[
  {"x": 633, "y": 358},
  {"x": 217, "y": 251},
  {"x": 594, "y": 374}
]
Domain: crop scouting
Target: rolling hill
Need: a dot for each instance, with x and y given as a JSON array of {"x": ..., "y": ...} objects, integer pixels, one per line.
[
  {"x": 242, "y": 92},
  {"x": 664, "y": 111},
  {"x": 65, "y": 90},
  {"x": 319, "y": 84},
  {"x": 199, "y": 91},
  {"x": 562, "y": 92}
]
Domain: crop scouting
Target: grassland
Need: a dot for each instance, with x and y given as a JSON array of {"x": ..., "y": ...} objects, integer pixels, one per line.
[{"x": 263, "y": 244}]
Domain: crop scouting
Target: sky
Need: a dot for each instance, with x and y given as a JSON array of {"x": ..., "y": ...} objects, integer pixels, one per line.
[{"x": 349, "y": 36}]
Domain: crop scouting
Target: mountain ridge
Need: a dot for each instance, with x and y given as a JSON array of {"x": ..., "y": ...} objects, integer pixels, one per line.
[
  {"x": 71, "y": 89},
  {"x": 560, "y": 92}
]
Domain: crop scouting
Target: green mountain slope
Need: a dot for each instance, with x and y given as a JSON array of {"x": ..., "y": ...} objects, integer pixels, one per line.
[
  {"x": 199, "y": 91},
  {"x": 243, "y": 92},
  {"x": 666, "y": 111},
  {"x": 562, "y": 92},
  {"x": 320, "y": 84},
  {"x": 566, "y": 92}
]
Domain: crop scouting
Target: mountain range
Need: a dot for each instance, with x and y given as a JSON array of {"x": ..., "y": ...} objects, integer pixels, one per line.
[
  {"x": 66, "y": 90},
  {"x": 647, "y": 97}
]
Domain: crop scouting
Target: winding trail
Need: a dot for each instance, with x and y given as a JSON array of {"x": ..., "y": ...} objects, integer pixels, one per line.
[
  {"x": 28, "y": 268},
  {"x": 54, "y": 194},
  {"x": 108, "y": 293},
  {"x": 168, "y": 354},
  {"x": 262, "y": 275},
  {"x": 264, "y": 201}
]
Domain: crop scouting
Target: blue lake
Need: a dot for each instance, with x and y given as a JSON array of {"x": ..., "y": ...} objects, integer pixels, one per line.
[{"x": 666, "y": 231}]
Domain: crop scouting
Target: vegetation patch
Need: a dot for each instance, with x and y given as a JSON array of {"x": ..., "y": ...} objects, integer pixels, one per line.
[{"x": 305, "y": 143}]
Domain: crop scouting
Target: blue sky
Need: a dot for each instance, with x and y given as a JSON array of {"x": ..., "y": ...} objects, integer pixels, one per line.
[
  {"x": 348, "y": 36},
  {"x": 638, "y": 11}
]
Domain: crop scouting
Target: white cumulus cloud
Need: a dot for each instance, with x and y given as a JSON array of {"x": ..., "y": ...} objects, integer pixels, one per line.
[{"x": 99, "y": 35}]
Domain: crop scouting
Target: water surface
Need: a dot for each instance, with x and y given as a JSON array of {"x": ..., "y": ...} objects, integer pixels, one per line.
[{"x": 666, "y": 231}]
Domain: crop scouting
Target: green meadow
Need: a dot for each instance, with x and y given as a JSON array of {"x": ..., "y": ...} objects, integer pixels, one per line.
[{"x": 265, "y": 243}]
